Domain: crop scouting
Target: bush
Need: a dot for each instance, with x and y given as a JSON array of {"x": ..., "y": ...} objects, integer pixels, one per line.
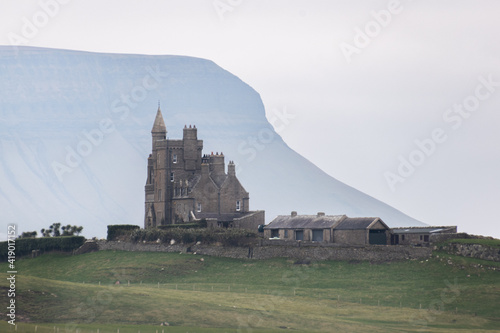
[
  {"x": 197, "y": 225},
  {"x": 117, "y": 230},
  {"x": 25, "y": 246},
  {"x": 227, "y": 237}
]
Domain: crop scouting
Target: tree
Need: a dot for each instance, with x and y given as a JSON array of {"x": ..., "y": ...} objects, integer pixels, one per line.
[
  {"x": 55, "y": 230},
  {"x": 70, "y": 230},
  {"x": 28, "y": 234}
]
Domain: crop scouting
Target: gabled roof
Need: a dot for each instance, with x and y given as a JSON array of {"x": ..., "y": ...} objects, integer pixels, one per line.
[
  {"x": 358, "y": 223},
  {"x": 159, "y": 125},
  {"x": 304, "y": 221}
]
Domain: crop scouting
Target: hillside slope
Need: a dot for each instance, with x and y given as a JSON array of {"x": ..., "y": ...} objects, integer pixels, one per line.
[
  {"x": 450, "y": 294},
  {"x": 75, "y": 136}
]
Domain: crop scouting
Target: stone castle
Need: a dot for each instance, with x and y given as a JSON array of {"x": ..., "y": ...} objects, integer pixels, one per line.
[{"x": 185, "y": 185}]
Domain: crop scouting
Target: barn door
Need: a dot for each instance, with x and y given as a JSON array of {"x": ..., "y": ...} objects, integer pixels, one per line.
[{"x": 378, "y": 237}]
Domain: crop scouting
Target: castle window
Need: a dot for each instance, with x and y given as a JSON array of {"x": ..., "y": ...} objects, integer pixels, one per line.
[
  {"x": 238, "y": 205},
  {"x": 174, "y": 158},
  {"x": 199, "y": 207},
  {"x": 171, "y": 176}
]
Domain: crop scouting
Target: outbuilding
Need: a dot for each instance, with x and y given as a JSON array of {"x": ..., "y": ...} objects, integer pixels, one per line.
[
  {"x": 315, "y": 228},
  {"x": 328, "y": 228},
  {"x": 361, "y": 231},
  {"x": 419, "y": 236}
]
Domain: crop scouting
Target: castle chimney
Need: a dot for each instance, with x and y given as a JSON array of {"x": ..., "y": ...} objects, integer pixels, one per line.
[
  {"x": 231, "y": 169},
  {"x": 217, "y": 165},
  {"x": 294, "y": 213},
  {"x": 205, "y": 169},
  {"x": 321, "y": 214}
]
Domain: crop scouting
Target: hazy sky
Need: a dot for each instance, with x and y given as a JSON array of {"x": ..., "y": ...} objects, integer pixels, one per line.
[{"x": 399, "y": 99}]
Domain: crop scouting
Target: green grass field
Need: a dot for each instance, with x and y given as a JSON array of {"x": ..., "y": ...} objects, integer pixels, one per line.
[{"x": 61, "y": 293}]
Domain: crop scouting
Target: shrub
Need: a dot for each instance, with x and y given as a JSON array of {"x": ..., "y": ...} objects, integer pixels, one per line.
[
  {"x": 197, "y": 225},
  {"x": 25, "y": 246},
  {"x": 227, "y": 237},
  {"x": 117, "y": 230}
]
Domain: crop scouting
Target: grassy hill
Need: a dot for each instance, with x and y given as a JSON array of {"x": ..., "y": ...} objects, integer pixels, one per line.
[{"x": 206, "y": 294}]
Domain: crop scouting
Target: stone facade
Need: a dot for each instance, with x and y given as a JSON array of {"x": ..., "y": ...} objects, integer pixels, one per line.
[
  {"x": 184, "y": 185},
  {"x": 338, "y": 229},
  {"x": 420, "y": 236}
]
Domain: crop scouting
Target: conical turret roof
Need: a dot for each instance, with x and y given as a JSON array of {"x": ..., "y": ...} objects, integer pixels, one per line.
[{"x": 159, "y": 125}]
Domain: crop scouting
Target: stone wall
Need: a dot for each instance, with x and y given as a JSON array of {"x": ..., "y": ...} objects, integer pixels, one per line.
[
  {"x": 473, "y": 250},
  {"x": 350, "y": 236},
  {"x": 276, "y": 249},
  {"x": 251, "y": 221}
]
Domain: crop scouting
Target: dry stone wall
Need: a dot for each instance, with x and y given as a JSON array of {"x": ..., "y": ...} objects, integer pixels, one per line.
[
  {"x": 473, "y": 250},
  {"x": 294, "y": 250}
]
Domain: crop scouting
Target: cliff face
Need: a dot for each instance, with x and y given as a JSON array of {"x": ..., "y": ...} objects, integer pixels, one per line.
[{"x": 75, "y": 134}]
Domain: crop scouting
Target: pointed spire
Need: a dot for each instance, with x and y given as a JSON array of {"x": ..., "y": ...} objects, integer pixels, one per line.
[{"x": 159, "y": 125}]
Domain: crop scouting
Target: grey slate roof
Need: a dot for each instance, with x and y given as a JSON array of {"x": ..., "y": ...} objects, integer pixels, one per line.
[
  {"x": 356, "y": 223},
  {"x": 419, "y": 230},
  {"x": 304, "y": 221},
  {"x": 159, "y": 124}
]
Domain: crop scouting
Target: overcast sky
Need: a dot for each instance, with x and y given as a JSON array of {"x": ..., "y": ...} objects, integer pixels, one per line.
[{"x": 399, "y": 99}]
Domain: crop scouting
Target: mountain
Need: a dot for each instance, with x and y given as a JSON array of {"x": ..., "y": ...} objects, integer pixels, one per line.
[{"x": 75, "y": 134}]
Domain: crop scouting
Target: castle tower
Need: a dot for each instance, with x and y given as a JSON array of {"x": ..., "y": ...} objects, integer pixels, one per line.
[
  {"x": 190, "y": 144},
  {"x": 159, "y": 130},
  {"x": 155, "y": 203}
]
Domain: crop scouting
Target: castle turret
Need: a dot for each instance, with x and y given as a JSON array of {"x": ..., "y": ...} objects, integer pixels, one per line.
[
  {"x": 190, "y": 144},
  {"x": 159, "y": 131}
]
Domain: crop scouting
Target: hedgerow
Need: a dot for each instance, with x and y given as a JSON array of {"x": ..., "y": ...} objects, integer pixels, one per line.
[
  {"x": 24, "y": 246},
  {"x": 227, "y": 237}
]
